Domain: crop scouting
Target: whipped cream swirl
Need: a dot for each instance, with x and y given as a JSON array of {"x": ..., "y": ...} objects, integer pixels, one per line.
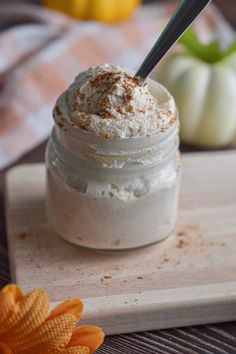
[{"x": 109, "y": 102}]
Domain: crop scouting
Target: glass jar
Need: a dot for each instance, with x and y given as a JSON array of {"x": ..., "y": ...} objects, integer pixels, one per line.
[{"x": 112, "y": 194}]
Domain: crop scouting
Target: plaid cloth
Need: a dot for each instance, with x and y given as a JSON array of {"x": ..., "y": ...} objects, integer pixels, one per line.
[{"x": 39, "y": 60}]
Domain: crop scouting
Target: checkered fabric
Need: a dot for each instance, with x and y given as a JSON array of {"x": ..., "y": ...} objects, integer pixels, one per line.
[{"x": 39, "y": 60}]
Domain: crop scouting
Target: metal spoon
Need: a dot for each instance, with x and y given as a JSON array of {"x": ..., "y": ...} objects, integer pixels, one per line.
[{"x": 182, "y": 18}]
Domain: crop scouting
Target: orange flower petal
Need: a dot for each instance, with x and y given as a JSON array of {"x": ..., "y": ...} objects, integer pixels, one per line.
[
  {"x": 75, "y": 350},
  {"x": 9, "y": 296},
  {"x": 88, "y": 336},
  {"x": 15, "y": 290},
  {"x": 50, "y": 336},
  {"x": 4, "y": 349},
  {"x": 73, "y": 306},
  {"x": 29, "y": 314},
  {"x": 7, "y": 306}
]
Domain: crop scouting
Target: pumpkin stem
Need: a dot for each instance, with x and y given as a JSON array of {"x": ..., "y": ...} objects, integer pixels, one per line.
[{"x": 210, "y": 52}]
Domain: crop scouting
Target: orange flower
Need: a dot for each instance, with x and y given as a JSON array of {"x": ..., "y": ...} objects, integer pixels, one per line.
[{"x": 26, "y": 327}]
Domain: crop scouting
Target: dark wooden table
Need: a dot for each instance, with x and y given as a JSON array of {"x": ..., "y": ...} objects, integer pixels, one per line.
[{"x": 210, "y": 339}]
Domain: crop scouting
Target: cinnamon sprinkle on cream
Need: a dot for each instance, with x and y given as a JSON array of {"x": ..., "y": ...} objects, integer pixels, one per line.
[{"x": 107, "y": 101}]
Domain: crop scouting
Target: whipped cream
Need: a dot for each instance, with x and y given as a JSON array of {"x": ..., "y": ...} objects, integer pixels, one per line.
[{"x": 107, "y": 101}]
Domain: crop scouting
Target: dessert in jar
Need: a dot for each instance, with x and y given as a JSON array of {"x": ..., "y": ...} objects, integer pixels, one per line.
[{"x": 113, "y": 162}]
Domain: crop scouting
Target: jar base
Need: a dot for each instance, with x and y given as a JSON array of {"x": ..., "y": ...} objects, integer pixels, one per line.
[{"x": 112, "y": 250}]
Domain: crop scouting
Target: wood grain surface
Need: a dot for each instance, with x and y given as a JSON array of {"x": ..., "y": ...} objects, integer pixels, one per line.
[
  {"x": 188, "y": 279},
  {"x": 208, "y": 339}
]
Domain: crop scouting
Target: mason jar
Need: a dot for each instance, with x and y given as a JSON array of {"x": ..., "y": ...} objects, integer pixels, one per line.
[{"x": 112, "y": 194}]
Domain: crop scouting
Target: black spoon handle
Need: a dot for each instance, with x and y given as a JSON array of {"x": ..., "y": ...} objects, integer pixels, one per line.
[{"x": 182, "y": 18}]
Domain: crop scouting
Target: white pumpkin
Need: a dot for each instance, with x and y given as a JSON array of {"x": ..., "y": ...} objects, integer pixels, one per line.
[{"x": 203, "y": 83}]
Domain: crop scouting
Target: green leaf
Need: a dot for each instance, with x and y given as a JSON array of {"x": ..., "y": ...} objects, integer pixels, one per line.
[{"x": 209, "y": 52}]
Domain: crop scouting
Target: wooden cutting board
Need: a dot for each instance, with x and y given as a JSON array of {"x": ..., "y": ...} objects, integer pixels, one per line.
[{"x": 188, "y": 279}]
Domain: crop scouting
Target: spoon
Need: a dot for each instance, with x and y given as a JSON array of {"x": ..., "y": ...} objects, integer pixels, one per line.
[{"x": 182, "y": 18}]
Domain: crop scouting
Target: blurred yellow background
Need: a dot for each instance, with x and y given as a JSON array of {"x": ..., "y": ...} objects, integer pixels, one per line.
[{"x": 108, "y": 11}]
